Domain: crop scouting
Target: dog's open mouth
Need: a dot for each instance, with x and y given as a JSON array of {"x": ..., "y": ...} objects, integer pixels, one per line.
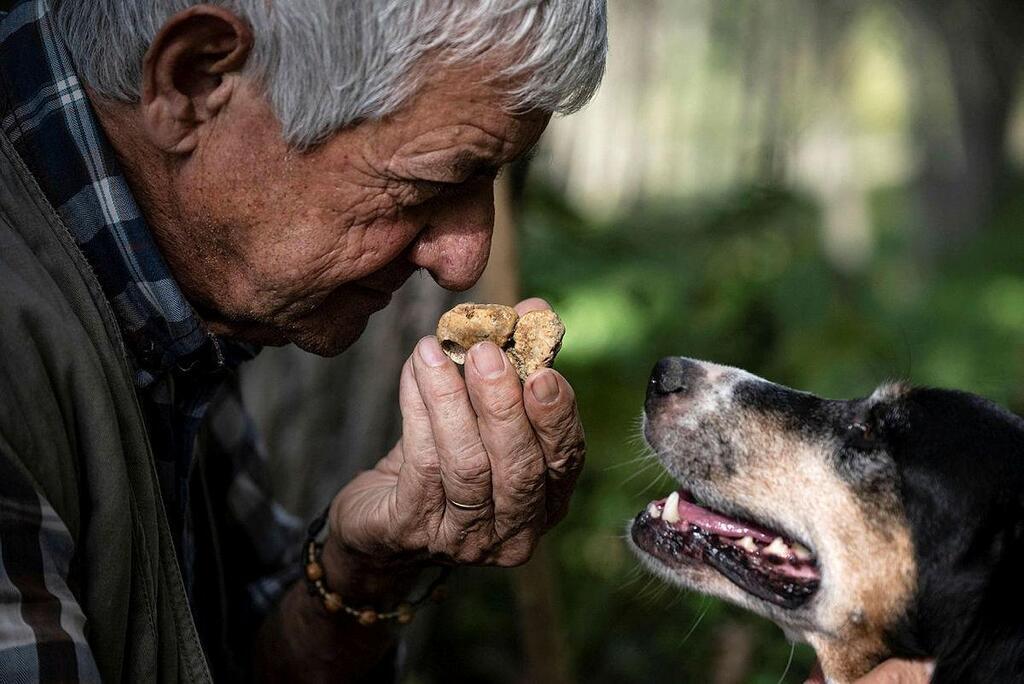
[{"x": 760, "y": 561}]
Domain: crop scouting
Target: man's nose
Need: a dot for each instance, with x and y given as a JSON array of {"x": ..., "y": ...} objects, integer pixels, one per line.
[{"x": 457, "y": 240}]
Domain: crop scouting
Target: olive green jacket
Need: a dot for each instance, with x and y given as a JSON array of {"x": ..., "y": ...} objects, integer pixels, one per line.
[{"x": 69, "y": 419}]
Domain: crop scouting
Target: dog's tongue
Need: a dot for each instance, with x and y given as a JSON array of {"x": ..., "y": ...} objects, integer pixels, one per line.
[{"x": 716, "y": 523}]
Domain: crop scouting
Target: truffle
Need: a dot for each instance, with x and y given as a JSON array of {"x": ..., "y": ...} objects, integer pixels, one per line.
[{"x": 530, "y": 342}]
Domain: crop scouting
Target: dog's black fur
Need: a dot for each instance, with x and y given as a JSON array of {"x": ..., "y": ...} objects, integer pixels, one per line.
[{"x": 960, "y": 460}]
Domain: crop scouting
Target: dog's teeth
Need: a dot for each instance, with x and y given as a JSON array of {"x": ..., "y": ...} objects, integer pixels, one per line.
[
  {"x": 747, "y": 544},
  {"x": 777, "y": 548},
  {"x": 671, "y": 512},
  {"x": 653, "y": 510},
  {"x": 802, "y": 552}
]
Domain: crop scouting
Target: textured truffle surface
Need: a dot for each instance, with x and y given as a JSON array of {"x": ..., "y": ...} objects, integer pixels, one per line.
[
  {"x": 530, "y": 342},
  {"x": 535, "y": 341},
  {"x": 467, "y": 324}
]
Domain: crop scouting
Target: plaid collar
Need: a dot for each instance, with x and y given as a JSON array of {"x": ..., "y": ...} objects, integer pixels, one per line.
[{"x": 46, "y": 115}]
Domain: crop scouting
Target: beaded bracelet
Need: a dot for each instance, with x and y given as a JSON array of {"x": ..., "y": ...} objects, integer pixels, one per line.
[{"x": 316, "y": 582}]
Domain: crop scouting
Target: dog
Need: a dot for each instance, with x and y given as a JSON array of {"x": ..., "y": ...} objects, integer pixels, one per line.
[{"x": 890, "y": 526}]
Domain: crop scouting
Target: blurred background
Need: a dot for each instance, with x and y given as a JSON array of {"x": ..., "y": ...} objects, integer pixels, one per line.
[
  {"x": 827, "y": 193},
  {"x": 824, "y": 192}
]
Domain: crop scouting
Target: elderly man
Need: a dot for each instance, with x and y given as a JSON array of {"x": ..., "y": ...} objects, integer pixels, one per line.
[{"x": 184, "y": 182}]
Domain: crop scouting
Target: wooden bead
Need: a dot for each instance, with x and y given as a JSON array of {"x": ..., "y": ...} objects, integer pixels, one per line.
[
  {"x": 333, "y": 602},
  {"x": 314, "y": 571},
  {"x": 405, "y": 613},
  {"x": 367, "y": 617}
]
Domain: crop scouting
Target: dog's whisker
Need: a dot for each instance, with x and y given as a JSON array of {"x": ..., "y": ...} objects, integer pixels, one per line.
[
  {"x": 678, "y": 598},
  {"x": 635, "y": 574},
  {"x": 658, "y": 483},
  {"x": 644, "y": 470},
  {"x": 789, "y": 663},
  {"x": 646, "y": 591},
  {"x": 705, "y": 607},
  {"x": 657, "y": 593},
  {"x": 646, "y": 460}
]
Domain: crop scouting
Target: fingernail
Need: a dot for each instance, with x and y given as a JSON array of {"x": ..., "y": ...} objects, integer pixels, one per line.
[
  {"x": 544, "y": 387},
  {"x": 430, "y": 352},
  {"x": 488, "y": 360}
]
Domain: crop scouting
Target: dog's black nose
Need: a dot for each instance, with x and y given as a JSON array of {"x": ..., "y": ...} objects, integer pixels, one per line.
[{"x": 673, "y": 375}]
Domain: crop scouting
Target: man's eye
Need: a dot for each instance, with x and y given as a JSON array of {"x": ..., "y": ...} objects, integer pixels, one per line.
[
  {"x": 434, "y": 187},
  {"x": 420, "y": 191},
  {"x": 425, "y": 190}
]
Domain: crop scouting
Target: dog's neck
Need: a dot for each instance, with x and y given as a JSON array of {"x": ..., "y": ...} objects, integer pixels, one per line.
[{"x": 847, "y": 660}]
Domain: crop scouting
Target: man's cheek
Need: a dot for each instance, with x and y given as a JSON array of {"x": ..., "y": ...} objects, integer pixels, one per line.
[{"x": 367, "y": 248}]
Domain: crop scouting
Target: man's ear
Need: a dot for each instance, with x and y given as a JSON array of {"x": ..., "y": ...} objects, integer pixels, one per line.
[{"x": 183, "y": 74}]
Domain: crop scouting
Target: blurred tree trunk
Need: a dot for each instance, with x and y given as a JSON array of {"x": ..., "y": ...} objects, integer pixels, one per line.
[{"x": 962, "y": 174}]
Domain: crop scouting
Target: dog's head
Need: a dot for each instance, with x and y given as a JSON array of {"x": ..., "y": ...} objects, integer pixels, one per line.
[{"x": 890, "y": 525}]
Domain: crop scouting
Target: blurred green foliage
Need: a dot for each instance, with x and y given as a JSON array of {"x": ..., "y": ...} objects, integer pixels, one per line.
[{"x": 743, "y": 281}]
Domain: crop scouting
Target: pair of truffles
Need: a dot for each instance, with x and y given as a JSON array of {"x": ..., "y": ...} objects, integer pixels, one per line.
[{"x": 530, "y": 341}]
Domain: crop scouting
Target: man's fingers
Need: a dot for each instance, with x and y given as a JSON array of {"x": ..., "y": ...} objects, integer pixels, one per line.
[
  {"x": 551, "y": 406},
  {"x": 889, "y": 672},
  {"x": 517, "y": 461},
  {"x": 419, "y": 481},
  {"x": 531, "y": 304},
  {"x": 464, "y": 464},
  {"x": 900, "y": 672}
]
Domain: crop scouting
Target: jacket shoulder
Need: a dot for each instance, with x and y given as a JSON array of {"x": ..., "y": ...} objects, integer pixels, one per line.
[{"x": 65, "y": 389}]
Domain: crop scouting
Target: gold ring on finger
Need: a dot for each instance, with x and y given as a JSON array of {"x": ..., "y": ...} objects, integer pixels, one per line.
[{"x": 468, "y": 507}]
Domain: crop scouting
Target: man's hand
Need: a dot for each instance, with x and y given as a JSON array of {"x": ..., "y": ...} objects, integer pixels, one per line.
[
  {"x": 485, "y": 465},
  {"x": 899, "y": 672},
  {"x": 890, "y": 672}
]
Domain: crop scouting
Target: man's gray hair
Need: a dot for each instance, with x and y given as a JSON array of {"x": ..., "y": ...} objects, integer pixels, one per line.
[{"x": 326, "y": 64}]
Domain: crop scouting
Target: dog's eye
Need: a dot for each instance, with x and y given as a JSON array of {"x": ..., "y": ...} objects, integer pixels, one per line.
[{"x": 862, "y": 436}]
